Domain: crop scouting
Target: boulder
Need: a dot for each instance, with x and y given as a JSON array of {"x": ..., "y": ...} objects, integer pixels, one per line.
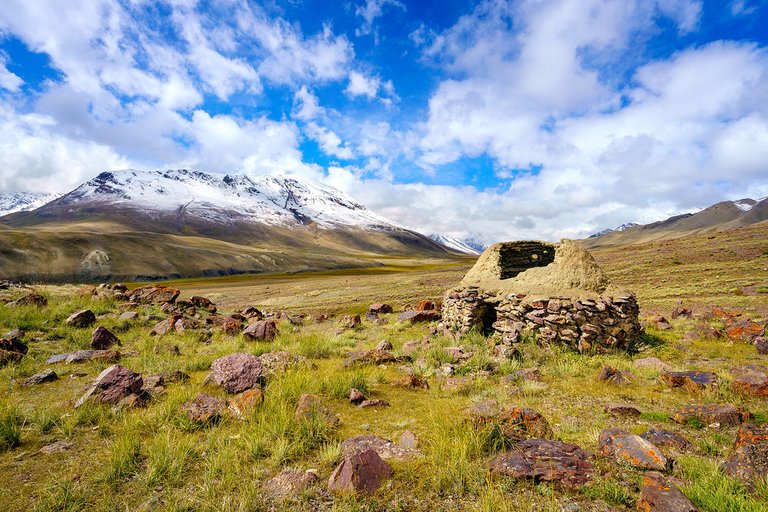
[
  {"x": 693, "y": 381},
  {"x": 631, "y": 449},
  {"x": 748, "y": 460},
  {"x": 722, "y": 414},
  {"x": 384, "y": 346},
  {"x": 658, "y": 494},
  {"x": 204, "y": 409},
  {"x": 751, "y": 383},
  {"x": 154, "y": 294},
  {"x": 290, "y": 483},
  {"x": 426, "y": 305},
  {"x": 203, "y": 303},
  {"x": 102, "y": 339},
  {"x": 279, "y": 361},
  {"x": 41, "y": 378},
  {"x": 543, "y": 460},
  {"x": 82, "y": 356},
  {"x": 310, "y": 406},
  {"x": 83, "y": 318},
  {"x": 515, "y": 423},
  {"x": 31, "y": 299},
  {"x": 419, "y": 316},
  {"x": 380, "y": 309},
  {"x": 113, "y": 385},
  {"x": 349, "y": 321},
  {"x": 363, "y": 473},
  {"x": 231, "y": 326},
  {"x": 245, "y": 404},
  {"x": 238, "y": 372},
  {"x": 356, "y": 396},
  {"x": 12, "y": 350},
  {"x": 614, "y": 376},
  {"x": 618, "y": 410},
  {"x": 261, "y": 330},
  {"x": 166, "y": 326},
  {"x": 666, "y": 439},
  {"x": 252, "y": 312},
  {"x": 385, "y": 448}
]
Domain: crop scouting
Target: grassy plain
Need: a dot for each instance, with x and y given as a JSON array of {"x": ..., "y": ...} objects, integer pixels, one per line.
[{"x": 152, "y": 459}]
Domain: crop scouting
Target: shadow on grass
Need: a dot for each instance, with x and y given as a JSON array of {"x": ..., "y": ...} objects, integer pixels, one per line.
[{"x": 644, "y": 342}]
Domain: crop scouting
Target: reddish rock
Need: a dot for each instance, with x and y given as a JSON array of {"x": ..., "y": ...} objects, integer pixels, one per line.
[
  {"x": 252, "y": 312},
  {"x": 725, "y": 414},
  {"x": 545, "y": 461},
  {"x": 31, "y": 299},
  {"x": 112, "y": 385},
  {"x": 693, "y": 381},
  {"x": 419, "y": 316},
  {"x": 261, "y": 330},
  {"x": 515, "y": 423},
  {"x": 411, "y": 382},
  {"x": 231, "y": 326},
  {"x": 761, "y": 344},
  {"x": 614, "y": 375},
  {"x": 12, "y": 350},
  {"x": 666, "y": 439},
  {"x": 102, "y": 339},
  {"x": 622, "y": 410},
  {"x": 349, "y": 321},
  {"x": 363, "y": 472},
  {"x": 426, "y": 305},
  {"x": 661, "y": 323},
  {"x": 245, "y": 404},
  {"x": 385, "y": 448},
  {"x": 744, "y": 331},
  {"x": 310, "y": 406},
  {"x": 380, "y": 309},
  {"x": 166, "y": 326},
  {"x": 748, "y": 459},
  {"x": 681, "y": 312},
  {"x": 204, "y": 409},
  {"x": 154, "y": 294},
  {"x": 238, "y": 372},
  {"x": 631, "y": 449},
  {"x": 751, "y": 383},
  {"x": 203, "y": 302},
  {"x": 658, "y": 494},
  {"x": 83, "y": 318},
  {"x": 290, "y": 483},
  {"x": 322, "y": 317}
]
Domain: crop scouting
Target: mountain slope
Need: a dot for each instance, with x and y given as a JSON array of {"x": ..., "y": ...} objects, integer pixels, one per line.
[
  {"x": 455, "y": 244},
  {"x": 722, "y": 216},
  {"x": 198, "y": 224},
  {"x": 23, "y": 201}
]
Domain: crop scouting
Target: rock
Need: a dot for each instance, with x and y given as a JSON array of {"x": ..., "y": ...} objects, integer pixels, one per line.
[
  {"x": 231, "y": 326},
  {"x": 41, "y": 378},
  {"x": 322, "y": 317},
  {"x": 744, "y": 331},
  {"x": 631, "y": 449},
  {"x": 183, "y": 325},
  {"x": 681, "y": 312},
  {"x": 252, "y": 312},
  {"x": 31, "y": 299},
  {"x": 529, "y": 374},
  {"x": 82, "y": 356},
  {"x": 509, "y": 352},
  {"x": 83, "y": 318},
  {"x": 426, "y": 305},
  {"x": 622, "y": 410},
  {"x": 12, "y": 350},
  {"x": 245, "y": 404},
  {"x": 661, "y": 323},
  {"x": 166, "y": 326},
  {"x": 515, "y": 423},
  {"x": 154, "y": 294},
  {"x": 725, "y": 415},
  {"x": 380, "y": 309},
  {"x": 310, "y": 406},
  {"x": 658, "y": 494},
  {"x": 666, "y": 439},
  {"x": 238, "y": 372},
  {"x": 693, "y": 381},
  {"x": 654, "y": 363},
  {"x": 370, "y": 316},
  {"x": 408, "y": 440},
  {"x": 349, "y": 321},
  {"x": 383, "y": 346},
  {"x": 57, "y": 447},
  {"x": 545, "y": 460},
  {"x": 112, "y": 385},
  {"x": 374, "y": 356},
  {"x": 411, "y": 382},
  {"x": 289, "y": 483},
  {"x": 279, "y": 361},
  {"x": 128, "y": 315},
  {"x": 748, "y": 460},
  {"x": 419, "y": 316},
  {"x": 261, "y": 330},
  {"x": 203, "y": 302},
  {"x": 761, "y": 344},
  {"x": 614, "y": 376},
  {"x": 204, "y": 409},
  {"x": 376, "y": 402},
  {"x": 385, "y": 448},
  {"x": 412, "y": 346},
  {"x": 356, "y": 396},
  {"x": 102, "y": 339},
  {"x": 363, "y": 473},
  {"x": 15, "y": 333},
  {"x": 751, "y": 383}
]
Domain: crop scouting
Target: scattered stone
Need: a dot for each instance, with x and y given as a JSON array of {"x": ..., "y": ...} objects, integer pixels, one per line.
[
  {"x": 385, "y": 448},
  {"x": 666, "y": 439},
  {"x": 356, "y": 396},
  {"x": 661, "y": 323},
  {"x": 529, "y": 374},
  {"x": 112, "y": 386},
  {"x": 751, "y": 383},
  {"x": 279, "y": 361},
  {"x": 374, "y": 356},
  {"x": 310, "y": 406},
  {"x": 370, "y": 316},
  {"x": 654, "y": 363},
  {"x": 414, "y": 345},
  {"x": 658, "y": 494},
  {"x": 515, "y": 423},
  {"x": 261, "y": 330},
  {"x": 380, "y": 309},
  {"x": 419, "y": 316},
  {"x": 128, "y": 315},
  {"x": 426, "y": 305},
  {"x": 363, "y": 473},
  {"x": 376, "y": 402},
  {"x": 82, "y": 356},
  {"x": 748, "y": 459},
  {"x": 384, "y": 345},
  {"x": 509, "y": 352},
  {"x": 154, "y": 294},
  {"x": 614, "y": 376},
  {"x": 322, "y": 317},
  {"x": 693, "y": 381},
  {"x": 203, "y": 302},
  {"x": 41, "y": 378},
  {"x": 31, "y": 299},
  {"x": 183, "y": 325},
  {"x": 102, "y": 339},
  {"x": 238, "y": 372},
  {"x": 12, "y": 350},
  {"x": 231, "y": 326},
  {"x": 545, "y": 460},
  {"x": 204, "y": 409},
  {"x": 14, "y": 334},
  {"x": 252, "y": 312},
  {"x": 724, "y": 415},
  {"x": 289, "y": 483},
  {"x": 349, "y": 321},
  {"x": 681, "y": 312},
  {"x": 245, "y": 404},
  {"x": 408, "y": 440},
  {"x": 411, "y": 382},
  {"x": 83, "y": 318},
  {"x": 166, "y": 326},
  {"x": 761, "y": 344},
  {"x": 57, "y": 447},
  {"x": 622, "y": 410},
  {"x": 457, "y": 383},
  {"x": 631, "y": 449},
  {"x": 744, "y": 331}
]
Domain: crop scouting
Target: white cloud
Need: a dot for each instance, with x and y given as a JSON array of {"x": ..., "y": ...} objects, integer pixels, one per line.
[
  {"x": 329, "y": 142},
  {"x": 8, "y": 80},
  {"x": 361, "y": 85},
  {"x": 371, "y": 10},
  {"x": 306, "y": 105}
]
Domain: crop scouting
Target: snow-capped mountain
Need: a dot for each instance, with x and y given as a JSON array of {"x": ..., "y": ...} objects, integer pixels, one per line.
[
  {"x": 619, "y": 229},
  {"x": 223, "y": 199},
  {"x": 23, "y": 201},
  {"x": 454, "y": 244}
]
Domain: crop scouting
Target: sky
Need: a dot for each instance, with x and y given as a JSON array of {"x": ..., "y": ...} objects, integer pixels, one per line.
[{"x": 483, "y": 120}]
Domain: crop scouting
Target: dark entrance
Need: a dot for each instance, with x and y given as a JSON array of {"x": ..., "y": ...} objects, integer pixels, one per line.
[{"x": 516, "y": 257}]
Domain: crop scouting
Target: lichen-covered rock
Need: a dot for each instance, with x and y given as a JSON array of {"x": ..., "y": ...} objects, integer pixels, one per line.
[
  {"x": 693, "y": 381},
  {"x": 154, "y": 294},
  {"x": 245, "y": 404},
  {"x": 290, "y": 483},
  {"x": 204, "y": 409},
  {"x": 751, "y": 383},
  {"x": 748, "y": 460},
  {"x": 543, "y": 460},
  {"x": 723, "y": 414},
  {"x": 261, "y": 330},
  {"x": 515, "y": 423},
  {"x": 658, "y": 494},
  {"x": 363, "y": 473},
  {"x": 384, "y": 447},
  {"x": 631, "y": 449},
  {"x": 666, "y": 439},
  {"x": 238, "y": 372}
]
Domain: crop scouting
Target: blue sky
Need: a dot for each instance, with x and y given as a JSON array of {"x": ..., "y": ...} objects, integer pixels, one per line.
[{"x": 488, "y": 119}]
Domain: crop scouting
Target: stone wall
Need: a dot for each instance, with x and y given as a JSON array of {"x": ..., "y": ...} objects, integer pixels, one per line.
[{"x": 584, "y": 324}]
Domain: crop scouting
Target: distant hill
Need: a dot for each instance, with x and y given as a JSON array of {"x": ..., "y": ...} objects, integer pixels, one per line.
[
  {"x": 24, "y": 201},
  {"x": 178, "y": 223},
  {"x": 457, "y": 245},
  {"x": 623, "y": 227},
  {"x": 718, "y": 217}
]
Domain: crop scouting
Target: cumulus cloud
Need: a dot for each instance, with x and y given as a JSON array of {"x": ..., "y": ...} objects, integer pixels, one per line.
[
  {"x": 8, "y": 80},
  {"x": 371, "y": 10},
  {"x": 329, "y": 142}
]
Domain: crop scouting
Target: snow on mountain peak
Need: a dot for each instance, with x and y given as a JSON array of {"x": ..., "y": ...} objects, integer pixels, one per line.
[
  {"x": 454, "y": 244},
  {"x": 745, "y": 204},
  {"x": 23, "y": 201}
]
